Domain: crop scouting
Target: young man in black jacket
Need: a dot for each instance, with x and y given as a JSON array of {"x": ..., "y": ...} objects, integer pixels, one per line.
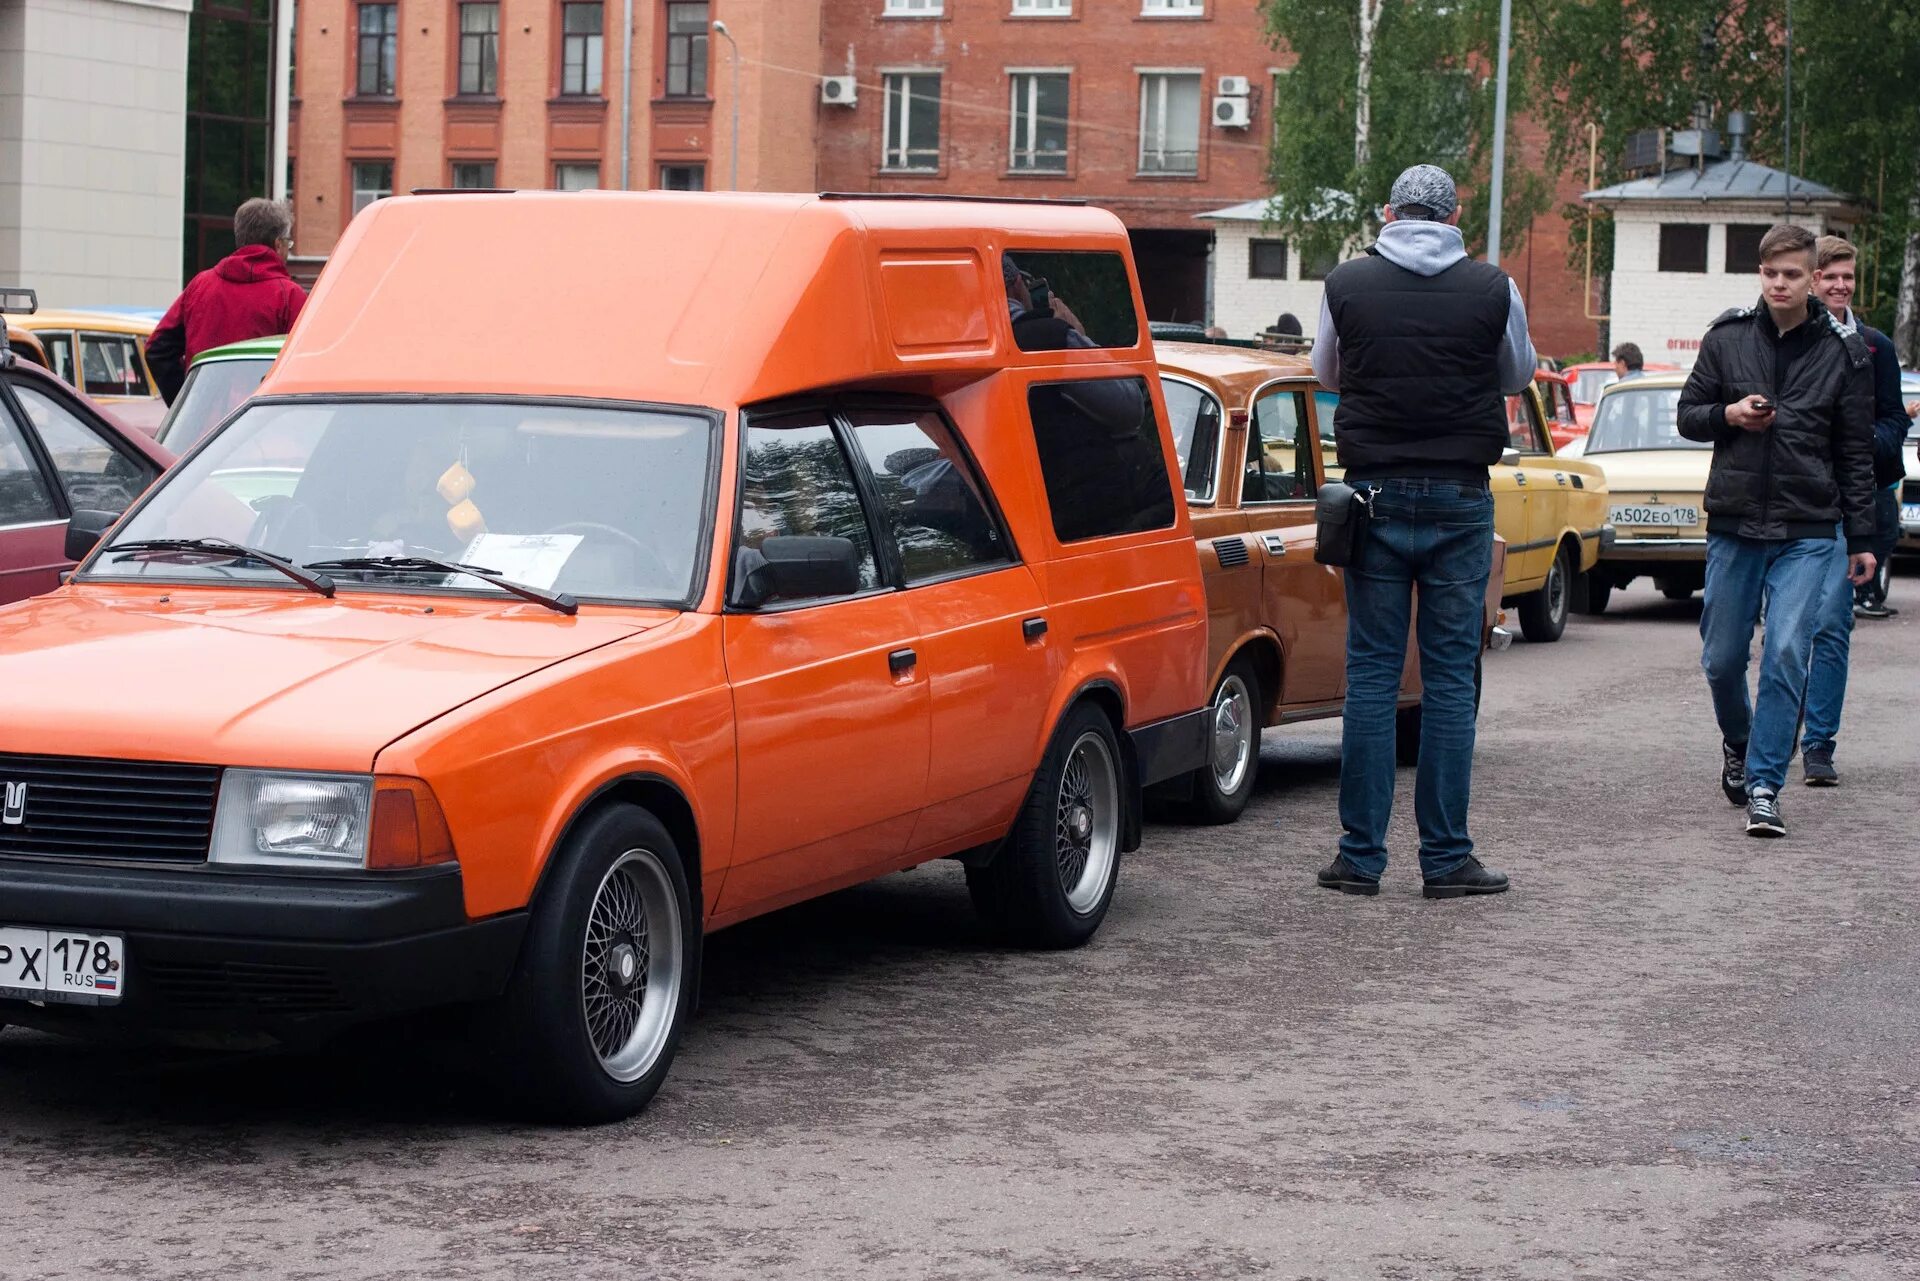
[{"x": 1784, "y": 392}]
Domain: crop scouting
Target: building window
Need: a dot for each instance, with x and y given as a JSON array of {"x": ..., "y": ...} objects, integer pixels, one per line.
[
  {"x": 576, "y": 177},
  {"x": 1170, "y": 122},
  {"x": 378, "y": 49},
  {"x": 683, "y": 177},
  {"x": 1743, "y": 247},
  {"x": 372, "y": 180},
  {"x": 1039, "y": 138},
  {"x": 1267, "y": 259},
  {"x": 914, "y": 8},
  {"x": 1172, "y": 8},
  {"x": 581, "y": 50},
  {"x": 1683, "y": 246},
  {"x": 1042, "y": 8},
  {"x": 479, "y": 49},
  {"x": 1316, "y": 263},
  {"x": 686, "y": 51},
  {"x": 472, "y": 175},
  {"x": 913, "y": 121}
]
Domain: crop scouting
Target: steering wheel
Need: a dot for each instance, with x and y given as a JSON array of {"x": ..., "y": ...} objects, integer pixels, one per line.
[{"x": 651, "y": 567}]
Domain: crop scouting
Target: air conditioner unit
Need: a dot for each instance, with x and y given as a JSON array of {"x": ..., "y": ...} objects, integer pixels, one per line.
[
  {"x": 1235, "y": 86},
  {"x": 839, "y": 91},
  {"x": 1232, "y": 113}
]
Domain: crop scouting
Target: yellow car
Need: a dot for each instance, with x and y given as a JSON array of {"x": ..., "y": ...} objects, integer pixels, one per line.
[
  {"x": 1659, "y": 483},
  {"x": 1552, "y": 512},
  {"x": 104, "y": 354}
]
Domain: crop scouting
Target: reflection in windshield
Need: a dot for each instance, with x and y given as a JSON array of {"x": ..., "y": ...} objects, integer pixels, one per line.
[
  {"x": 1648, "y": 419},
  {"x": 601, "y": 503},
  {"x": 213, "y": 391}
]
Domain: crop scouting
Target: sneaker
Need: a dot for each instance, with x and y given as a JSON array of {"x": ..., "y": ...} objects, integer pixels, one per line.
[
  {"x": 1763, "y": 815},
  {"x": 1874, "y": 611},
  {"x": 1471, "y": 877},
  {"x": 1733, "y": 772},
  {"x": 1818, "y": 767},
  {"x": 1338, "y": 875}
]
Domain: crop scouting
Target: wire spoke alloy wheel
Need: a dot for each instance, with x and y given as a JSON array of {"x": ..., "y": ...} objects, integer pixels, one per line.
[
  {"x": 1232, "y": 741},
  {"x": 630, "y": 965},
  {"x": 1087, "y": 822}
]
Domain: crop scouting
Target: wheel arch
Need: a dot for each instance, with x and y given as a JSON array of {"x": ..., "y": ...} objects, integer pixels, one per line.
[{"x": 658, "y": 796}]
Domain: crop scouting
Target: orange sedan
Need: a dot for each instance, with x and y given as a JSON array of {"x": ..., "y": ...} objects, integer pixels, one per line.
[{"x": 789, "y": 569}]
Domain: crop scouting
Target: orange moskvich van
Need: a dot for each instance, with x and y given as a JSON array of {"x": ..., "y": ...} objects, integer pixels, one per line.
[{"x": 447, "y": 673}]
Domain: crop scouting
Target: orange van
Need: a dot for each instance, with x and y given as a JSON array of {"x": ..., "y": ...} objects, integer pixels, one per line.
[{"x": 790, "y": 568}]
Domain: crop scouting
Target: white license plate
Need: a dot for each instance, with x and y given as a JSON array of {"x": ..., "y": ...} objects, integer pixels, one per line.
[
  {"x": 1910, "y": 513},
  {"x": 71, "y": 966},
  {"x": 1660, "y": 515}
]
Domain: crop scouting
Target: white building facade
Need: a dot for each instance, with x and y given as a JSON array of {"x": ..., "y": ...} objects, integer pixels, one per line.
[
  {"x": 92, "y": 149},
  {"x": 1257, "y": 273},
  {"x": 1685, "y": 247}
]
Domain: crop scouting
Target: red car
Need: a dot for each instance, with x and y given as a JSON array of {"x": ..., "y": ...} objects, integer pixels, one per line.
[{"x": 60, "y": 458}]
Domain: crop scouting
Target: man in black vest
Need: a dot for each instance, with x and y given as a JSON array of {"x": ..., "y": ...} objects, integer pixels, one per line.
[{"x": 1423, "y": 344}]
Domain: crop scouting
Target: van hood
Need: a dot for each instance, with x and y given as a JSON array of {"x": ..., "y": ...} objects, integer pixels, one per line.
[{"x": 264, "y": 678}]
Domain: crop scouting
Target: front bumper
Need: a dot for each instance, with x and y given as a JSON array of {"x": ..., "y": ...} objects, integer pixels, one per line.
[
  {"x": 1498, "y": 639},
  {"x": 210, "y": 949}
]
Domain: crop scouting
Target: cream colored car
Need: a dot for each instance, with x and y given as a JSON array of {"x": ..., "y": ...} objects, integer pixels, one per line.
[{"x": 1657, "y": 479}]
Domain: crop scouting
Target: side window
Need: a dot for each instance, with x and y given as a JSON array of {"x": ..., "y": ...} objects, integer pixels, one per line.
[
  {"x": 1276, "y": 473},
  {"x": 24, "y": 499},
  {"x": 110, "y": 364},
  {"x": 1100, "y": 457},
  {"x": 59, "y": 355},
  {"x": 795, "y": 481},
  {"x": 930, "y": 499},
  {"x": 96, "y": 475},
  {"x": 1325, "y": 405},
  {"x": 1095, "y": 291},
  {"x": 1194, "y": 416},
  {"x": 1520, "y": 431}
]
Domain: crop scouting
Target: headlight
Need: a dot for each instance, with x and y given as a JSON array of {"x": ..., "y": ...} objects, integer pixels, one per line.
[{"x": 292, "y": 820}]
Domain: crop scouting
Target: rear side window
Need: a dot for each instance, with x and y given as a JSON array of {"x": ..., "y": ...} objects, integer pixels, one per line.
[
  {"x": 796, "y": 481},
  {"x": 930, "y": 500},
  {"x": 1194, "y": 416},
  {"x": 1094, "y": 287},
  {"x": 1278, "y": 471},
  {"x": 110, "y": 364},
  {"x": 24, "y": 499},
  {"x": 1100, "y": 457}
]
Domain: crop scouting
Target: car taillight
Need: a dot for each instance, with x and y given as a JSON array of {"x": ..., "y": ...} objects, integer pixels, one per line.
[{"x": 408, "y": 828}]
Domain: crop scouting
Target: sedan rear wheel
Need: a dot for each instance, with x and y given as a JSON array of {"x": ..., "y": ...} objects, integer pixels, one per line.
[{"x": 1223, "y": 786}]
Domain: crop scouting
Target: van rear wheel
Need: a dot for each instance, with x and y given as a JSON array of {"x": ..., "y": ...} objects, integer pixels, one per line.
[
  {"x": 593, "y": 1017},
  {"x": 1053, "y": 879}
]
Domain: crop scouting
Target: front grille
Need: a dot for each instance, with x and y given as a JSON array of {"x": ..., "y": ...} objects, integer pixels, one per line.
[
  {"x": 76, "y": 807},
  {"x": 244, "y": 986}
]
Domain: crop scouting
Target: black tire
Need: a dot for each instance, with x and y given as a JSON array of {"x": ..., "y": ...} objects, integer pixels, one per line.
[
  {"x": 1406, "y": 721},
  {"x": 1678, "y": 591},
  {"x": 1543, "y": 614},
  {"x": 546, "y": 1036},
  {"x": 1036, "y": 892},
  {"x": 1599, "y": 590},
  {"x": 1218, "y": 799}
]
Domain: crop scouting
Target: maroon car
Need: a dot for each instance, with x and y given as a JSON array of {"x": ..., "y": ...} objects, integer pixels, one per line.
[{"x": 58, "y": 456}]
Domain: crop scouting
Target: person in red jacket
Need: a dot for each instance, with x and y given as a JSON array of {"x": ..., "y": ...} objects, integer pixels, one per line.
[{"x": 247, "y": 294}]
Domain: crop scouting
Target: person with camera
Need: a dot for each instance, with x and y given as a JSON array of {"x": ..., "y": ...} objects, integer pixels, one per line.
[
  {"x": 1784, "y": 393},
  {"x": 1423, "y": 344}
]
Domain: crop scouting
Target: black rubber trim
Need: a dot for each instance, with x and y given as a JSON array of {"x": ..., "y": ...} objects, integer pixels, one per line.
[{"x": 1168, "y": 748}]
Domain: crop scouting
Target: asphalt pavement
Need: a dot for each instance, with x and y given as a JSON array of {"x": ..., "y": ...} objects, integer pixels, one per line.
[{"x": 1671, "y": 1052}]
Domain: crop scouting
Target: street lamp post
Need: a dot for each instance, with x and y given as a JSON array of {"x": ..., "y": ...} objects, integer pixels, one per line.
[
  {"x": 733, "y": 182},
  {"x": 1498, "y": 195}
]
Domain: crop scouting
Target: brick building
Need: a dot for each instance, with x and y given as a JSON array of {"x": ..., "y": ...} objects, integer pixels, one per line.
[{"x": 394, "y": 95}]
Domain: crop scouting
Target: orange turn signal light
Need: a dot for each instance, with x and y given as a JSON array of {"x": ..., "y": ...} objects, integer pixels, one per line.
[{"x": 408, "y": 828}]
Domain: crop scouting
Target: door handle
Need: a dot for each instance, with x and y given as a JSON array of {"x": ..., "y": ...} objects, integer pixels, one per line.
[
  {"x": 1033, "y": 628},
  {"x": 1519, "y": 478},
  {"x": 1275, "y": 544},
  {"x": 901, "y": 660}
]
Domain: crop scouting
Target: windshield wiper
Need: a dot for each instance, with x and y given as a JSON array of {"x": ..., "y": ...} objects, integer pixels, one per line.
[
  {"x": 221, "y": 547},
  {"x": 560, "y": 601}
]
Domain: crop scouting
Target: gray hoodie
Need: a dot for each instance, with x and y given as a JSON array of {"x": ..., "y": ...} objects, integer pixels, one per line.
[{"x": 1429, "y": 248}]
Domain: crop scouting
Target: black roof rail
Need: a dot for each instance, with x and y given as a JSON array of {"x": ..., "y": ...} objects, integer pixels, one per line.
[
  {"x": 938, "y": 198},
  {"x": 11, "y": 300},
  {"x": 463, "y": 191}
]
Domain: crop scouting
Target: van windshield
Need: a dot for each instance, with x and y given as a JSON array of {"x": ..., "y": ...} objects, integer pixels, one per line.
[{"x": 603, "y": 503}]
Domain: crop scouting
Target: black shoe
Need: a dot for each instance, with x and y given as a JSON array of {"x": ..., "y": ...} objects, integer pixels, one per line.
[
  {"x": 1733, "y": 772},
  {"x": 1874, "y": 611},
  {"x": 1337, "y": 875},
  {"x": 1469, "y": 878},
  {"x": 1818, "y": 767},
  {"x": 1763, "y": 815}
]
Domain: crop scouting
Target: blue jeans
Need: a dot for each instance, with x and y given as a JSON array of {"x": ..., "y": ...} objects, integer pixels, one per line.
[
  {"x": 1832, "y": 645},
  {"x": 1795, "y": 577},
  {"x": 1437, "y": 534}
]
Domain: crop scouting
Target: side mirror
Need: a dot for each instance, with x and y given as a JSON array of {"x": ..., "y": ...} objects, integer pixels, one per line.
[
  {"x": 85, "y": 531},
  {"x": 797, "y": 567},
  {"x": 1509, "y": 457}
]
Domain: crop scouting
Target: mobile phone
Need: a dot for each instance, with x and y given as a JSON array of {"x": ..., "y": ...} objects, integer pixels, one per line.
[
  {"x": 1762, "y": 404},
  {"x": 1042, "y": 295}
]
